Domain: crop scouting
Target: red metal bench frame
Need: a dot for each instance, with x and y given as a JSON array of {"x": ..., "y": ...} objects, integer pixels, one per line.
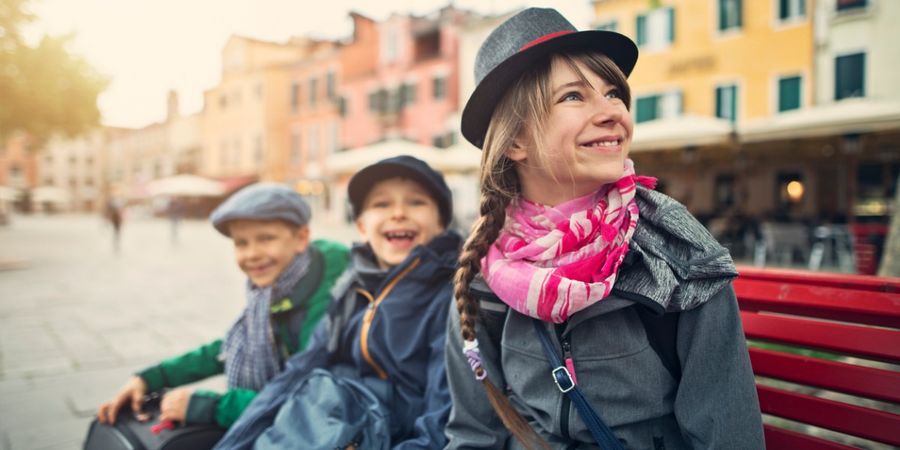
[{"x": 848, "y": 315}]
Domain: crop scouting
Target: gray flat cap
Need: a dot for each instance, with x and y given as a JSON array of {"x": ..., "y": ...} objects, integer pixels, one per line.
[{"x": 262, "y": 201}]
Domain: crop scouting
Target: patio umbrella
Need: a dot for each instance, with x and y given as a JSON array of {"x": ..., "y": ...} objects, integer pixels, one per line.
[{"x": 185, "y": 186}]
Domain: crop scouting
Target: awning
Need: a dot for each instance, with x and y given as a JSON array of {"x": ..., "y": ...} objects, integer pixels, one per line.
[
  {"x": 680, "y": 132},
  {"x": 51, "y": 194},
  {"x": 185, "y": 186},
  {"x": 459, "y": 158},
  {"x": 8, "y": 194},
  {"x": 845, "y": 117}
]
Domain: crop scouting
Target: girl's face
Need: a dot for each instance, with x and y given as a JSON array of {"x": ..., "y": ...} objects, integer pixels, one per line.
[
  {"x": 585, "y": 141},
  {"x": 397, "y": 215}
]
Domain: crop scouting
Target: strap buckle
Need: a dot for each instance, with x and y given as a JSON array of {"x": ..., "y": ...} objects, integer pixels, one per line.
[{"x": 563, "y": 379}]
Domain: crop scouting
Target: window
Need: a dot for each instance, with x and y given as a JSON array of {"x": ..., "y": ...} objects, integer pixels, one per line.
[
  {"x": 378, "y": 100},
  {"x": 791, "y": 9},
  {"x": 843, "y": 5},
  {"x": 343, "y": 104},
  {"x": 726, "y": 102},
  {"x": 724, "y": 191},
  {"x": 789, "y": 93},
  {"x": 313, "y": 91},
  {"x": 408, "y": 94},
  {"x": 295, "y": 96},
  {"x": 658, "y": 106},
  {"x": 789, "y": 190},
  {"x": 258, "y": 152},
  {"x": 440, "y": 87},
  {"x": 443, "y": 140},
  {"x": 656, "y": 29},
  {"x": 730, "y": 15},
  {"x": 850, "y": 76},
  {"x": 330, "y": 86},
  {"x": 312, "y": 151},
  {"x": 611, "y": 25},
  {"x": 295, "y": 147}
]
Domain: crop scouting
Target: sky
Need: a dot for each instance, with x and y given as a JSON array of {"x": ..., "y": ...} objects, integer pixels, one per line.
[{"x": 148, "y": 47}]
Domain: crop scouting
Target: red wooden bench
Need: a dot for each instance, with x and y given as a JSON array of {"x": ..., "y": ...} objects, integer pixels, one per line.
[{"x": 851, "y": 316}]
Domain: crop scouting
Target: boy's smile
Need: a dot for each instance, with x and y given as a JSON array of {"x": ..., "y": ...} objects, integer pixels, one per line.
[
  {"x": 264, "y": 248},
  {"x": 398, "y": 214}
]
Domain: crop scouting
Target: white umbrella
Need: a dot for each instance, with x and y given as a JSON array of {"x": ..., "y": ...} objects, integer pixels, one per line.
[
  {"x": 50, "y": 194},
  {"x": 185, "y": 186}
]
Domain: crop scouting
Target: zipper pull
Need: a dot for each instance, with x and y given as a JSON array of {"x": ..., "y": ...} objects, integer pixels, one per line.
[{"x": 567, "y": 356}]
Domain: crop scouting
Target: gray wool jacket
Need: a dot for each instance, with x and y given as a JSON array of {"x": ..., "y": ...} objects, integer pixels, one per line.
[{"x": 674, "y": 265}]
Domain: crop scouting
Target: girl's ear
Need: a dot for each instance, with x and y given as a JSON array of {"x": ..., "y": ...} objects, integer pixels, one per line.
[{"x": 516, "y": 151}]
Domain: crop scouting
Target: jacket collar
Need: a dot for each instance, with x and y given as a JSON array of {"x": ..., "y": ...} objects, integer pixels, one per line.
[{"x": 674, "y": 263}]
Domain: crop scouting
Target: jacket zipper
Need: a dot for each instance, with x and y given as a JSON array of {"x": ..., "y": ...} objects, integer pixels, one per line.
[
  {"x": 566, "y": 403},
  {"x": 370, "y": 316}
]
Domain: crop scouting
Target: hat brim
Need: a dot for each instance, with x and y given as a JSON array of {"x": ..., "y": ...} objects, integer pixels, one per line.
[
  {"x": 477, "y": 113},
  {"x": 363, "y": 181}
]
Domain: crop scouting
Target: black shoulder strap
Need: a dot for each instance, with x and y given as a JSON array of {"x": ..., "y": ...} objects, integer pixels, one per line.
[{"x": 662, "y": 330}]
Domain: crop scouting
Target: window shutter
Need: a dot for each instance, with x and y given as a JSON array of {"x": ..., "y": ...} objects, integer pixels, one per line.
[
  {"x": 641, "y": 32},
  {"x": 671, "y": 25}
]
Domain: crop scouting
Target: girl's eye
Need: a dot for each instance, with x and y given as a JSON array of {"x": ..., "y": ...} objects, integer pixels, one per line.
[
  {"x": 613, "y": 93},
  {"x": 570, "y": 97}
]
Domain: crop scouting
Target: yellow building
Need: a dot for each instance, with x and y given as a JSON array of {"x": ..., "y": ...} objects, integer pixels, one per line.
[
  {"x": 733, "y": 59},
  {"x": 245, "y": 116}
]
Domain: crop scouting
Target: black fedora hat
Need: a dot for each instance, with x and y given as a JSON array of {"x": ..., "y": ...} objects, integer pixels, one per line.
[{"x": 516, "y": 45}]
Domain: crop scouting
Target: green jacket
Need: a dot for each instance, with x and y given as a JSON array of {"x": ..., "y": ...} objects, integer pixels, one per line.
[{"x": 300, "y": 312}]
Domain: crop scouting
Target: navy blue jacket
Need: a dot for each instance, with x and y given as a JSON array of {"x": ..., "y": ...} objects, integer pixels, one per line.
[{"x": 389, "y": 325}]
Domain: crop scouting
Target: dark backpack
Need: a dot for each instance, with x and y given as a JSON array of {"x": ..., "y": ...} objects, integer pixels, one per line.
[{"x": 130, "y": 434}]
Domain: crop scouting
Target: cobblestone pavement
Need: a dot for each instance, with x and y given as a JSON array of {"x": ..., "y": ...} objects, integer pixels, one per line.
[{"x": 77, "y": 318}]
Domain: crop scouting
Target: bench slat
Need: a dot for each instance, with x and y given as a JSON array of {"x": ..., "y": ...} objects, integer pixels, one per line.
[
  {"x": 779, "y": 438},
  {"x": 862, "y": 283},
  {"x": 872, "y": 308},
  {"x": 867, "y": 342},
  {"x": 866, "y": 382},
  {"x": 855, "y": 420}
]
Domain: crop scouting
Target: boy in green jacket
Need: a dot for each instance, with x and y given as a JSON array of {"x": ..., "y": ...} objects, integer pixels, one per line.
[{"x": 288, "y": 286}]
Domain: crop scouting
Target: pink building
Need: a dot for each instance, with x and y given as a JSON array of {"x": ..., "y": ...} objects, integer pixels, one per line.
[{"x": 413, "y": 91}]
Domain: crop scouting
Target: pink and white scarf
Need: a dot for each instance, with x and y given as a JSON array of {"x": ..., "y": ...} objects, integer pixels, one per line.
[{"x": 551, "y": 262}]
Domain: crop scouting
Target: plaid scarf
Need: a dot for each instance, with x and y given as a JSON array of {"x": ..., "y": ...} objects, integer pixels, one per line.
[
  {"x": 249, "y": 352},
  {"x": 551, "y": 262}
]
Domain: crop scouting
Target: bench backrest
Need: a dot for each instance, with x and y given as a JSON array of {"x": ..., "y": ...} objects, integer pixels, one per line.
[{"x": 852, "y": 318}]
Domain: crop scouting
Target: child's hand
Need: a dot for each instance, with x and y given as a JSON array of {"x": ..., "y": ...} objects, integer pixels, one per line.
[
  {"x": 174, "y": 405},
  {"x": 133, "y": 393}
]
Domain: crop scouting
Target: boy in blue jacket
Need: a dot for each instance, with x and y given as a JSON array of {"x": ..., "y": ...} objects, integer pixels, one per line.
[{"x": 386, "y": 327}]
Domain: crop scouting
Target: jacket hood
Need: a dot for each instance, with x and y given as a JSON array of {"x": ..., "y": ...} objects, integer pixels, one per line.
[{"x": 674, "y": 263}]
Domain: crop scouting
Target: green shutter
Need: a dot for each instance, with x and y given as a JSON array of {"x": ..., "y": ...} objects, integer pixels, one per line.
[
  {"x": 739, "y": 11},
  {"x": 647, "y": 108},
  {"x": 850, "y": 76},
  {"x": 784, "y": 9},
  {"x": 789, "y": 93},
  {"x": 671, "y": 25},
  {"x": 641, "y": 32}
]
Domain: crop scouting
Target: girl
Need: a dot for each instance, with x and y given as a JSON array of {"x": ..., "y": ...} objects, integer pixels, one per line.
[{"x": 575, "y": 258}]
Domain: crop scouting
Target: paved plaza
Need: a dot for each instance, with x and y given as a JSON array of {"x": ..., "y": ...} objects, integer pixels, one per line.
[{"x": 77, "y": 317}]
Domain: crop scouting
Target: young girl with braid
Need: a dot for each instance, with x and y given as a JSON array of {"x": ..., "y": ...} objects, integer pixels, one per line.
[{"x": 576, "y": 256}]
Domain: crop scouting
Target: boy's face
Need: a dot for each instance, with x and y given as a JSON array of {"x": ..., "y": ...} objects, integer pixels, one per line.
[
  {"x": 264, "y": 248},
  {"x": 397, "y": 215}
]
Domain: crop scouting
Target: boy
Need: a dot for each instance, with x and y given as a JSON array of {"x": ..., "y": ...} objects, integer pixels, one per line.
[
  {"x": 287, "y": 294},
  {"x": 384, "y": 335}
]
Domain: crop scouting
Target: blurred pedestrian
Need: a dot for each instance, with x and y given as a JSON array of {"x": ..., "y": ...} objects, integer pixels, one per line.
[{"x": 115, "y": 213}]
